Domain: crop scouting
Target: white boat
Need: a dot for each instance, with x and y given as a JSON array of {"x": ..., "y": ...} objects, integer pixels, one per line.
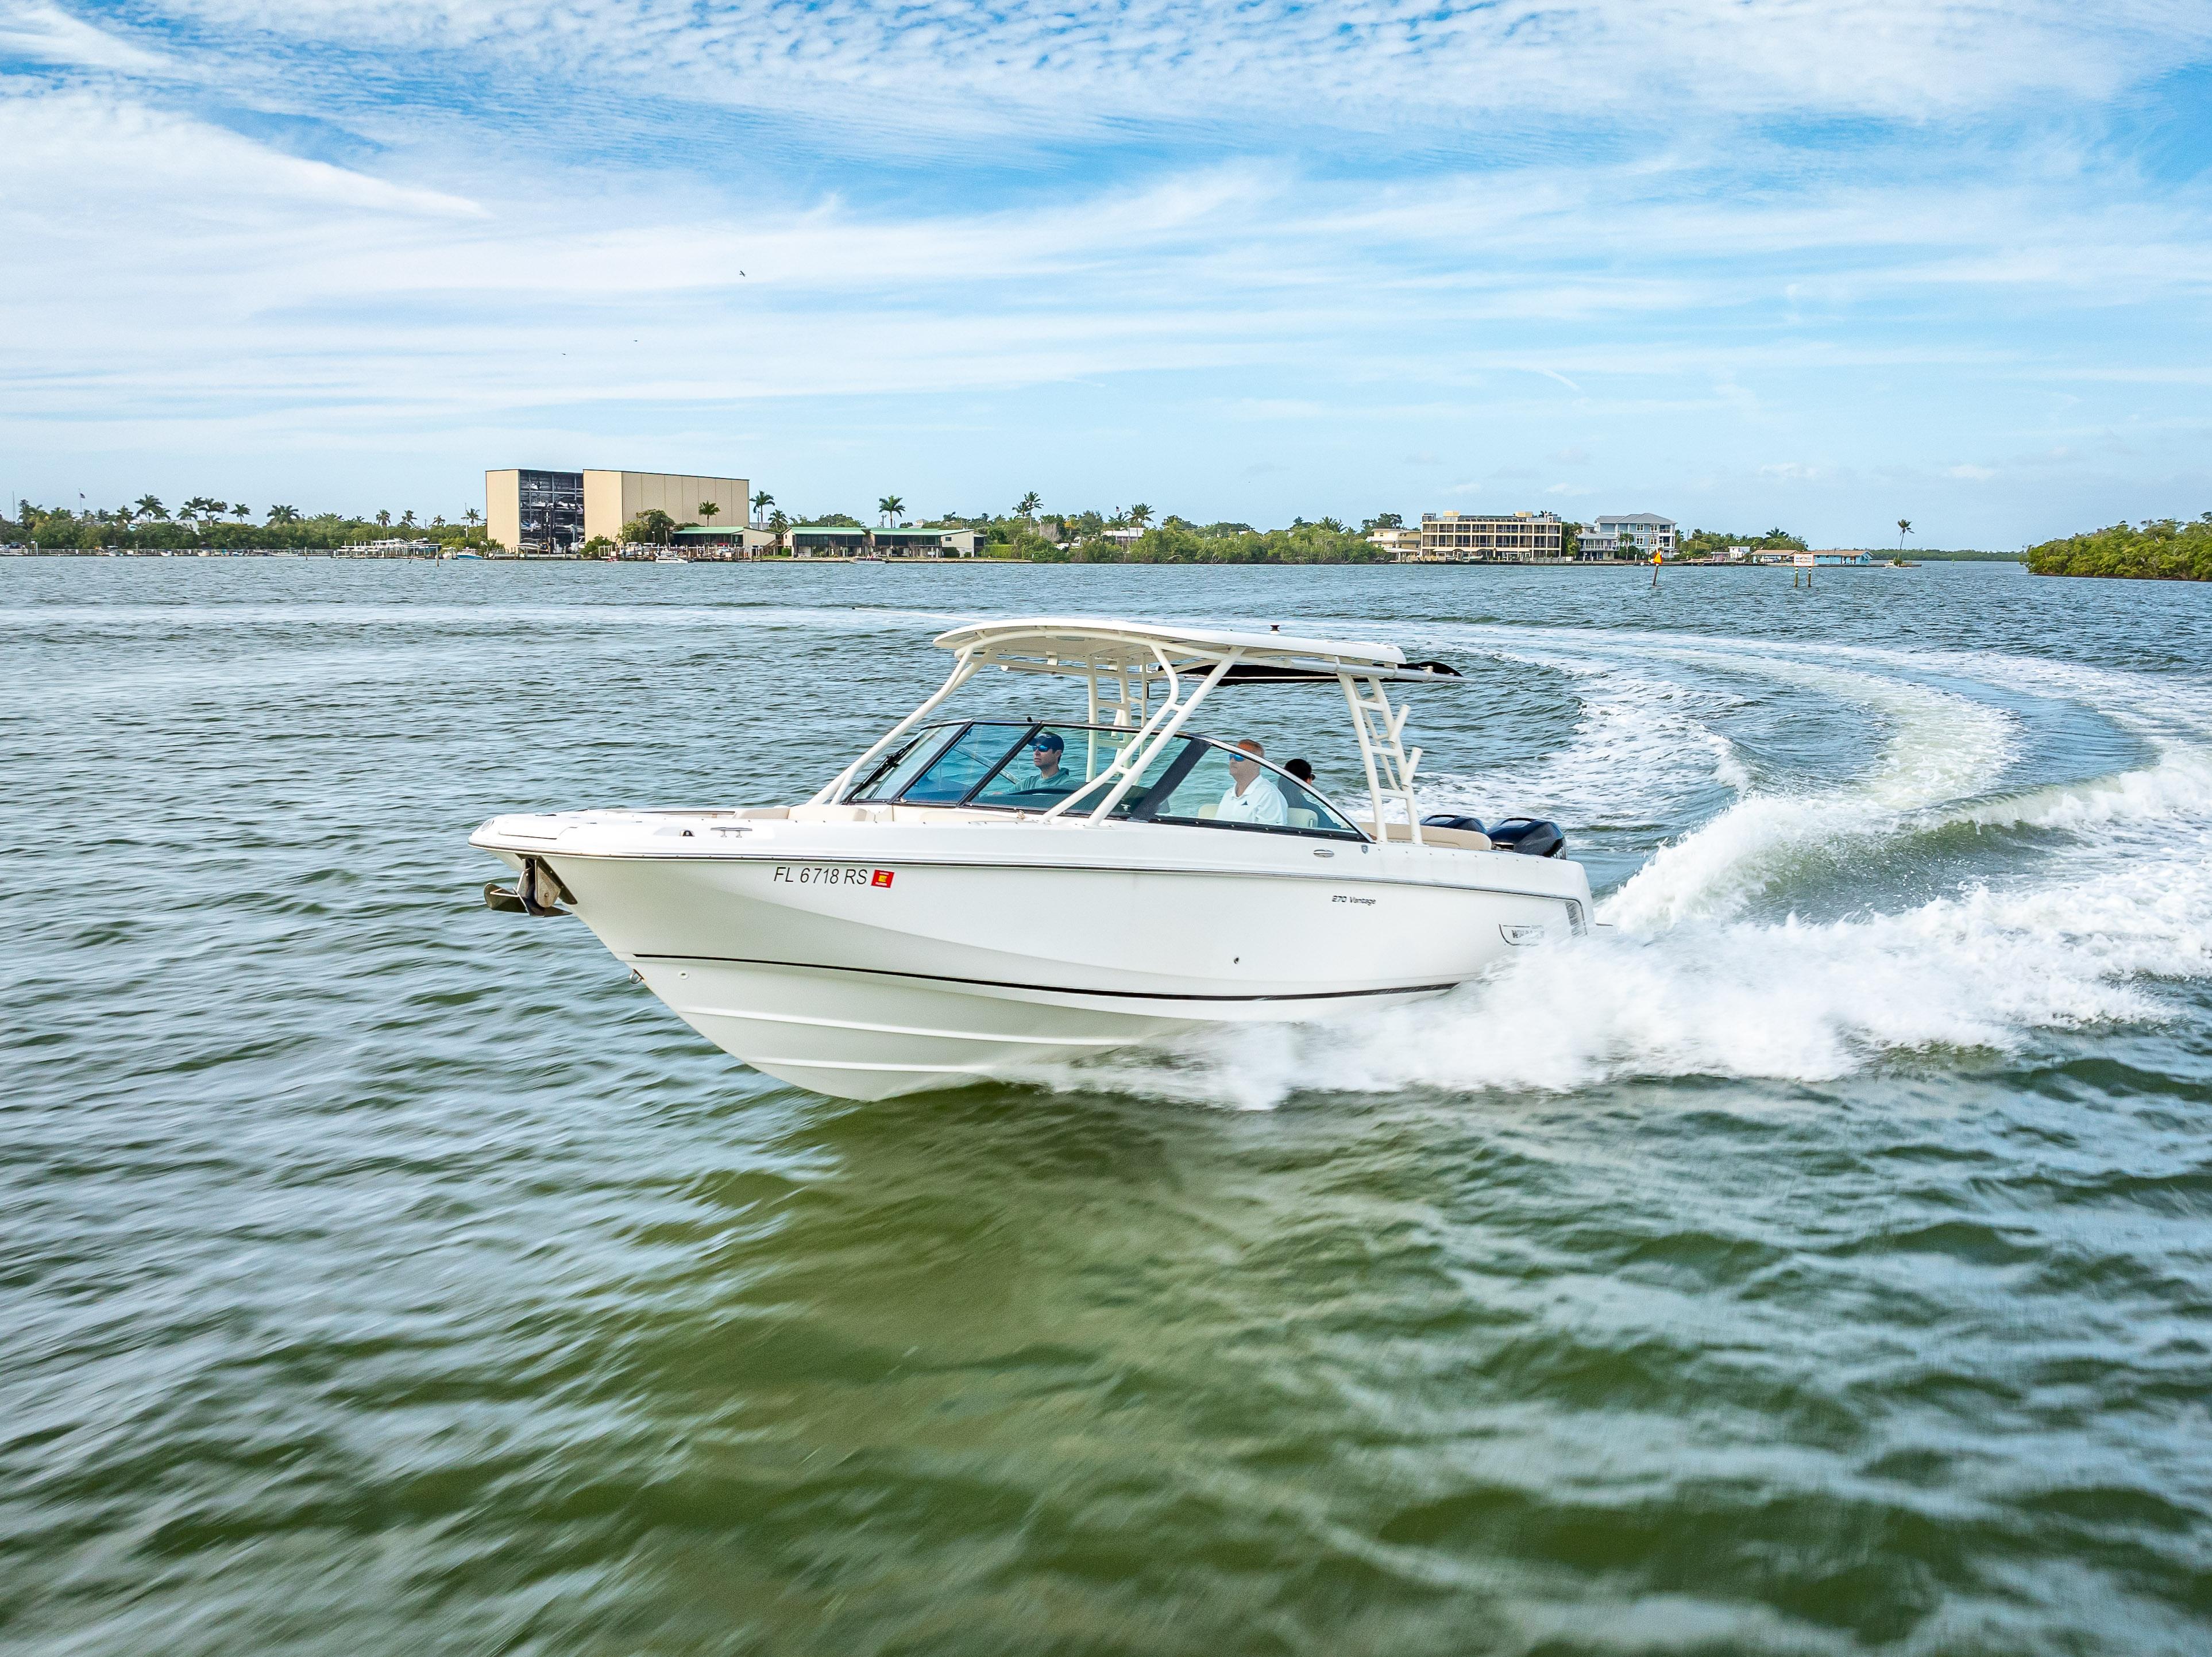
[{"x": 971, "y": 896}]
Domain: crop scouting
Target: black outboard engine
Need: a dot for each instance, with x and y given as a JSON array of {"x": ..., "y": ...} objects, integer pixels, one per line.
[{"x": 1531, "y": 835}]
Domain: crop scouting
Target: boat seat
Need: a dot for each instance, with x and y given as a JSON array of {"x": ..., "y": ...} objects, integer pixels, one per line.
[
  {"x": 1300, "y": 817},
  {"x": 1455, "y": 839}
]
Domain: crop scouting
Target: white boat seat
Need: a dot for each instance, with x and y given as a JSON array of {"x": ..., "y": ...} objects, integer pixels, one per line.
[
  {"x": 1300, "y": 817},
  {"x": 1458, "y": 839}
]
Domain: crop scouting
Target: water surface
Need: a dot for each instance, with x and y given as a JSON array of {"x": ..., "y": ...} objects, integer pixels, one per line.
[{"x": 1817, "y": 1264}]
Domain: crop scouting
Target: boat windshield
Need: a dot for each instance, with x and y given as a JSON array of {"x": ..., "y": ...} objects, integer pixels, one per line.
[{"x": 1006, "y": 766}]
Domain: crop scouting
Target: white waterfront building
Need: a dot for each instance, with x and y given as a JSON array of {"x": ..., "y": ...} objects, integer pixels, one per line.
[{"x": 1627, "y": 535}]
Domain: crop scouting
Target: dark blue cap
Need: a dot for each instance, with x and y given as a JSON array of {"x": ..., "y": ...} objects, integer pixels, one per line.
[{"x": 1048, "y": 739}]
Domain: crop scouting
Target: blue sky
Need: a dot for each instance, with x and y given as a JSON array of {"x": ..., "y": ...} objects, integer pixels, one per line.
[{"x": 1815, "y": 263}]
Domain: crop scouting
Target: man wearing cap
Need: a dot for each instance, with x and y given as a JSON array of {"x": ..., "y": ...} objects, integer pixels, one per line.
[{"x": 1045, "y": 750}]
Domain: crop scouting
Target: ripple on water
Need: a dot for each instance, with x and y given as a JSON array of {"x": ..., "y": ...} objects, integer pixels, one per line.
[{"x": 1816, "y": 1265}]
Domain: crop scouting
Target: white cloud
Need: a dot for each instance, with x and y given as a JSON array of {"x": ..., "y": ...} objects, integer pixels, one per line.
[
  {"x": 1904, "y": 58},
  {"x": 161, "y": 257},
  {"x": 41, "y": 33},
  {"x": 174, "y": 281},
  {"x": 70, "y": 161}
]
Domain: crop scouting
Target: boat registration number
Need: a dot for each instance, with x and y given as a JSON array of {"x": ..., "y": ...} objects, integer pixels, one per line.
[{"x": 831, "y": 874}]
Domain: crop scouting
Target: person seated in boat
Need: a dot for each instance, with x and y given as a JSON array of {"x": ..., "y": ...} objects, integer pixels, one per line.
[
  {"x": 1045, "y": 751},
  {"x": 1305, "y": 806},
  {"x": 1252, "y": 796}
]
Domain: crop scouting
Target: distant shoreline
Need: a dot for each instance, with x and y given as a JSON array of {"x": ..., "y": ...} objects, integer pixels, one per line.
[{"x": 357, "y": 555}]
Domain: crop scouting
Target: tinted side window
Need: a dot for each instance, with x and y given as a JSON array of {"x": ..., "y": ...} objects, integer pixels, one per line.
[
  {"x": 1309, "y": 810},
  {"x": 1207, "y": 793}
]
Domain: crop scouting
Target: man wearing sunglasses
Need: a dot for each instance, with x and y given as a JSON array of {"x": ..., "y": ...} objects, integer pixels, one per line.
[
  {"x": 1046, "y": 750},
  {"x": 1252, "y": 796}
]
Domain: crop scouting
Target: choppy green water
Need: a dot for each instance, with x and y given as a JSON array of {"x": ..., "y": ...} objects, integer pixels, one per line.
[{"x": 1819, "y": 1264}]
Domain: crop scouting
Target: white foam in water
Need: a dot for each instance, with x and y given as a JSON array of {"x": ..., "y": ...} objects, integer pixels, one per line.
[
  {"x": 1641, "y": 744},
  {"x": 1686, "y": 986},
  {"x": 1941, "y": 748}
]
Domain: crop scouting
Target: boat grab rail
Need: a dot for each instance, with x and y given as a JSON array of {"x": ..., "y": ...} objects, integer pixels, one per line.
[{"x": 1150, "y": 741}]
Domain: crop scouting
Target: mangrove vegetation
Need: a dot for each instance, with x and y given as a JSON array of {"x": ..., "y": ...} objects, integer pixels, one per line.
[{"x": 2158, "y": 549}]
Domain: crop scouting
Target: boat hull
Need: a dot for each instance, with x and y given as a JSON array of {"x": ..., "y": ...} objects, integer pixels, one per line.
[{"x": 870, "y": 971}]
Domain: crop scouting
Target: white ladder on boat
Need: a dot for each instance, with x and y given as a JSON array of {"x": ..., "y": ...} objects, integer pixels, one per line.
[{"x": 1390, "y": 766}]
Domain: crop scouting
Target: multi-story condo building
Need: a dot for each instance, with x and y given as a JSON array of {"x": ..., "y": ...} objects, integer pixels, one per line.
[
  {"x": 1627, "y": 535},
  {"x": 1491, "y": 537},
  {"x": 1398, "y": 543}
]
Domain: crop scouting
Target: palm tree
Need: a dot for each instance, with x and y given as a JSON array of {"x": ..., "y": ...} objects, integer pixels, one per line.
[
  {"x": 124, "y": 515},
  {"x": 1027, "y": 505},
  {"x": 1903, "y": 529},
  {"x": 150, "y": 506},
  {"x": 706, "y": 511},
  {"x": 780, "y": 524},
  {"x": 438, "y": 521},
  {"x": 407, "y": 519},
  {"x": 239, "y": 510},
  {"x": 761, "y": 502},
  {"x": 283, "y": 515},
  {"x": 384, "y": 520},
  {"x": 890, "y": 506},
  {"x": 1141, "y": 514},
  {"x": 470, "y": 514}
]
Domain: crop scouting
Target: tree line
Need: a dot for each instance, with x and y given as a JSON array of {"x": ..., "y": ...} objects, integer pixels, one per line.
[
  {"x": 2158, "y": 549},
  {"x": 1700, "y": 543},
  {"x": 148, "y": 524},
  {"x": 1028, "y": 532}
]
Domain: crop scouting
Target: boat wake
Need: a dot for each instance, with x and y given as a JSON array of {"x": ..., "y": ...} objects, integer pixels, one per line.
[{"x": 2065, "y": 905}]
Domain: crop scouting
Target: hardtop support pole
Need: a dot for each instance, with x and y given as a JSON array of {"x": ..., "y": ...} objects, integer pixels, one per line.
[
  {"x": 963, "y": 668},
  {"x": 1148, "y": 741},
  {"x": 1366, "y": 751}
]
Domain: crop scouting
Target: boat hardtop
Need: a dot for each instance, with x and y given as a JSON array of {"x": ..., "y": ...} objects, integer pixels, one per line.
[
  {"x": 1143, "y": 682},
  {"x": 1077, "y": 645}
]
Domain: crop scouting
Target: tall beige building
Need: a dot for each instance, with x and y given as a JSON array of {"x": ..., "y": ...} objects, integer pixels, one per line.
[
  {"x": 611, "y": 499},
  {"x": 532, "y": 511}
]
